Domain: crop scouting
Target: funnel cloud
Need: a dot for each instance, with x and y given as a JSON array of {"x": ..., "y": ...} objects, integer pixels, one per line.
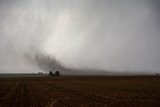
[{"x": 102, "y": 35}]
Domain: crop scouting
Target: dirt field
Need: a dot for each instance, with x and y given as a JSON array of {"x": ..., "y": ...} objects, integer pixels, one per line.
[{"x": 80, "y": 91}]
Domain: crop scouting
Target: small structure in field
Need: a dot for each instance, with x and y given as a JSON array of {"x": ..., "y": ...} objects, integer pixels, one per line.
[
  {"x": 40, "y": 73},
  {"x": 51, "y": 74}
]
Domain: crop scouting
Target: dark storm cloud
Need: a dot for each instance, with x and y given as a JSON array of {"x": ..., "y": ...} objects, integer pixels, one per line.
[{"x": 118, "y": 35}]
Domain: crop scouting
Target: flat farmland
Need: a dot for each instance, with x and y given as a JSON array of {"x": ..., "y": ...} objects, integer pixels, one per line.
[{"x": 80, "y": 91}]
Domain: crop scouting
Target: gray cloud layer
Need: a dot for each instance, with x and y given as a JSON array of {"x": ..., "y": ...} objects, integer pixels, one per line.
[{"x": 120, "y": 35}]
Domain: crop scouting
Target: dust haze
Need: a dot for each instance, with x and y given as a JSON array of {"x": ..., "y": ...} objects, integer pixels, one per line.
[{"x": 68, "y": 35}]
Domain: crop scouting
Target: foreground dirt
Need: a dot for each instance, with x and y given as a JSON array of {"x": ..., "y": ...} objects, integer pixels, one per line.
[{"x": 80, "y": 91}]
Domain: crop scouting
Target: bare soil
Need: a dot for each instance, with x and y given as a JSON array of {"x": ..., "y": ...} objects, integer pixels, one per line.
[{"x": 80, "y": 91}]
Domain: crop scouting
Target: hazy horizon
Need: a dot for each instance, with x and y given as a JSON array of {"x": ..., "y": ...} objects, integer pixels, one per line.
[{"x": 99, "y": 35}]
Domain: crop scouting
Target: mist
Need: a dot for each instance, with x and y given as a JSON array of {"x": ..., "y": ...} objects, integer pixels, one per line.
[{"x": 101, "y": 35}]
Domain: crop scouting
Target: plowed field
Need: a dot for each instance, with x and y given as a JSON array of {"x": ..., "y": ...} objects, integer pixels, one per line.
[{"x": 80, "y": 91}]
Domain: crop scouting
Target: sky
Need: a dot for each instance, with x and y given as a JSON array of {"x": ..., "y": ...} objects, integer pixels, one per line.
[{"x": 110, "y": 35}]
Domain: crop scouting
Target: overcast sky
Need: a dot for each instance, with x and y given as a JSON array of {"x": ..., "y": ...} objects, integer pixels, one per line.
[{"x": 118, "y": 35}]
